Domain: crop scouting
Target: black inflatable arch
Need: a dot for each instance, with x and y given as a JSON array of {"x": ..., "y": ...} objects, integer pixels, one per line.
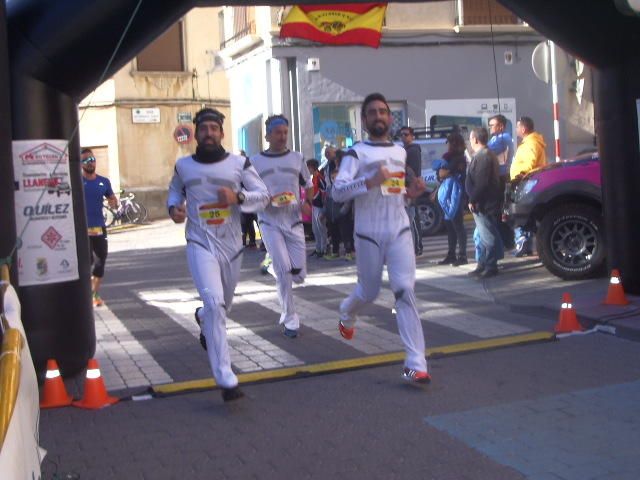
[{"x": 53, "y": 53}]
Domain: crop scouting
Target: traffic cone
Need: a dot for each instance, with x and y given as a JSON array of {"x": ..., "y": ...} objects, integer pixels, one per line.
[
  {"x": 568, "y": 321},
  {"x": 95, "y": 395},
  {"x": 615, "y": 294},
  {"x": 54, "y": 393}
]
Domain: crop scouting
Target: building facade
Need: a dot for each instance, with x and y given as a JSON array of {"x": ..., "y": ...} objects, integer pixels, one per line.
[
  {"x": 140, "y": 121},
  {"x": 439, "y": 63}
]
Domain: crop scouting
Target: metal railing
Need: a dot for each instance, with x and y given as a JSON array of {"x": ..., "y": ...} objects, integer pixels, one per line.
[{"x": 249, "y": 29}]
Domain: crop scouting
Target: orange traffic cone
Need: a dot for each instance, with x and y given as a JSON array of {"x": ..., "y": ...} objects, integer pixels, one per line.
[
  {"x": 95, "y": 395},
  {"x": 54, "y": 393},
  {"x": 568, "y": 321},
  {"x": 615, "y": 294}
]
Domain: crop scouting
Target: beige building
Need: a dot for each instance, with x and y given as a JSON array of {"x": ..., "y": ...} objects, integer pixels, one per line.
[{"x": 132, "y": 120}]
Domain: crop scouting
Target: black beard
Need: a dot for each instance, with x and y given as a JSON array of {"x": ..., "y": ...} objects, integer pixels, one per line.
[
  {"x": 209, "y": 153},
  {"x": 378, "y": 129}
]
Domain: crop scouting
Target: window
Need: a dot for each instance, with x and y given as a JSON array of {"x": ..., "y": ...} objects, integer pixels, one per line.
[
  {"x": 476, "y": 12},
  {"x": 164, "y": 54},
  {"x": 340, "y": 124},
  {"x": 243, "y": 24}
]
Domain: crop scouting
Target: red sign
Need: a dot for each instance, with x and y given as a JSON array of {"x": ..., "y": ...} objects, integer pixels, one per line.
[{"x": 183, "y": 134}]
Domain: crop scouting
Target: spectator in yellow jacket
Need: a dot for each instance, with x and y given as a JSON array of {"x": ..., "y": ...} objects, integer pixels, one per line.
[{"x": 530, "y": 155}]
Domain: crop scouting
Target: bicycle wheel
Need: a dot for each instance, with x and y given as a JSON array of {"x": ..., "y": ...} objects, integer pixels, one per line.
[
  {"x": 136, "y": 212},
  {"x": 109, "y": 216}
]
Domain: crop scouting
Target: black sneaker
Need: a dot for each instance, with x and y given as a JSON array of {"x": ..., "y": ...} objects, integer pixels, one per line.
[
  {"x": 203, "y": 341},
  {"x": 477, "y": 272},
  {"x": 488, "y": 273},
  {"x": 289, "y": 333},
  {"x": 231, "y": 394},
  {"x": 460, "y": 261},
  {"x": 447, "y": 260}
]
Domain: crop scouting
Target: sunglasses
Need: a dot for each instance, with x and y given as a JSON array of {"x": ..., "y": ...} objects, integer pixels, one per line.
[{"x": 89, "y": 160}]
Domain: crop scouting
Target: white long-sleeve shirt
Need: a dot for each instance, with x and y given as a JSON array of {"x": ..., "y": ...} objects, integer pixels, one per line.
[
  {"x": 283, "y": 174},
  {"x": 208, "y": 220},
  {"x": 381, "y": 209}
]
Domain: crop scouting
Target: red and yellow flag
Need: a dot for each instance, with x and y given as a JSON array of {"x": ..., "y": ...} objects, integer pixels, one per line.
[{"x": 336, "y": 24}]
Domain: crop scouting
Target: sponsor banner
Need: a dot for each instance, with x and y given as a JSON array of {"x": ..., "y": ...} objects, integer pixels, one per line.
[
  {"x": 43, "y": 203},
  {"x": 336, "y": 24}
]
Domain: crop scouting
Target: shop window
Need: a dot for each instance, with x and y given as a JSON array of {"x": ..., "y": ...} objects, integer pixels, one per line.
[{"x": 340, "y": 125}]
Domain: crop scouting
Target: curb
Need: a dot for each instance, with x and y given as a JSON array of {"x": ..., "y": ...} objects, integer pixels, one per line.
[{"x": 353, "y": 364}]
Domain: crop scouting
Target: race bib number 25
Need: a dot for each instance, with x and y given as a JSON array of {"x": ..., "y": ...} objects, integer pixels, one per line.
[{"x": 214, "y": 214}]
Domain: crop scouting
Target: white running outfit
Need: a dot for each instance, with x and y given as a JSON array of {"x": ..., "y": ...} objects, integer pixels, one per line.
[
  {"x": 281, "y": 224},
  {"x": 214, "y": 244},
  {"x": 382, "y": 235}
]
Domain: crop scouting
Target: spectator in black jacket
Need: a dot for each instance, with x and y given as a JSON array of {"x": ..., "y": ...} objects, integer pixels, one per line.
[
  {"x": 483, "y": 190},
  {"x": 413, "y": 170}
]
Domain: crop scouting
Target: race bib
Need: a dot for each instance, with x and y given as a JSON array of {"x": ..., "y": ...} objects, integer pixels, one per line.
[
  {"x": 283, "y": 199},
  {"x": 214, "y": 214},
  {"x": 95, "y": 231},
  {"x": 394, "y": 185}
]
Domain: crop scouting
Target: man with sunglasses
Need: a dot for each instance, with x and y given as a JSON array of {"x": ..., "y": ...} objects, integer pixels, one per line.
[
  {"x": 96, "y": 189},
  {"x": 414, "y": 163},
  {"x": 284, "y": 172},
  {"x": 372, "y": 173},
  {"x": 210, "y": 189}
]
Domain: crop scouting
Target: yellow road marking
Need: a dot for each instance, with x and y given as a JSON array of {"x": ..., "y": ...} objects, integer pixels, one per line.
[{"x": 355, "y": 363}]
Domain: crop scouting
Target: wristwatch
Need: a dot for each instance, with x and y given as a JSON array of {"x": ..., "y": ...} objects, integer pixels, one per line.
[{"x": 241, "y": 198}]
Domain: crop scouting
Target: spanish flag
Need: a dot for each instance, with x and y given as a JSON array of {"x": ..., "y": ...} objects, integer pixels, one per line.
[{"x": 336, "y": 24}]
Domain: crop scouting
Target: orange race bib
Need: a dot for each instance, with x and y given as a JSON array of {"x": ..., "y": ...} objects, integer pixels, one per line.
[
  {"x": 394, "y": 185},
  {"x": 283, "y": 199},
  {"x": 95, "y": 231},
  {"x": 214, "y": 214}
]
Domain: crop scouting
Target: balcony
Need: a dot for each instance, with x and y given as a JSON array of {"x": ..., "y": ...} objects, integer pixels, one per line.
[{"x": 246, "y": 30}]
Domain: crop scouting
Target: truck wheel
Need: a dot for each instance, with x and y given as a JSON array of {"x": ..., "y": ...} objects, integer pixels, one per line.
[
  {"x": 571, "y": 241},
  {"x": 431, "y": 218}
]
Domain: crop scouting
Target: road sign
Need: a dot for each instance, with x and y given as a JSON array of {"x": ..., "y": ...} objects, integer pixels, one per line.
[{"x": 145, "y": 115}]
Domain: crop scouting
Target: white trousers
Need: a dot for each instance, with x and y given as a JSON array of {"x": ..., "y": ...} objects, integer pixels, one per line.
[
  {"x": 286, "y": 246},
  {"x": 215, "y": 279},
  {"x": 319, "y": 229},
  {"x": 401, "y": 266}
]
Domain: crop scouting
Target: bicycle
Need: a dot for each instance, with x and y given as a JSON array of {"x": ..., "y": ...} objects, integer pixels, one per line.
[{"x": 129, "y": 211}]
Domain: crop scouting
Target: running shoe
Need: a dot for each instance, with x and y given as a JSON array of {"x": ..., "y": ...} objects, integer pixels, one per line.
[
  {"x": 349, "y": 257},
  {"x": 416, "y": 376},
  {"x": 331, "y": 256},
  {"x": 347, "y": 333},
  {"x": 97, "y": 301},
  {"x": 231, "y": 394},
  {"x": 203, "y": 341}
]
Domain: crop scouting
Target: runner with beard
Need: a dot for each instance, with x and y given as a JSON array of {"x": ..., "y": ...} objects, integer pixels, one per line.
[
  {"x": 373, "y": 174},
  {"x": 217, "y": 186},
  {"x": 284, "y": 172}
]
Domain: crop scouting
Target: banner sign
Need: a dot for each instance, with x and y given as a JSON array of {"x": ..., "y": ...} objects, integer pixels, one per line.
[
  {"x": 336, "y": 24},
  {"x": 43, "y": 203}
]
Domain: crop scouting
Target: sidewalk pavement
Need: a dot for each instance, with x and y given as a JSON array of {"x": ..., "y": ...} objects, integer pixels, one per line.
[{"x": 563, "y": 410}]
